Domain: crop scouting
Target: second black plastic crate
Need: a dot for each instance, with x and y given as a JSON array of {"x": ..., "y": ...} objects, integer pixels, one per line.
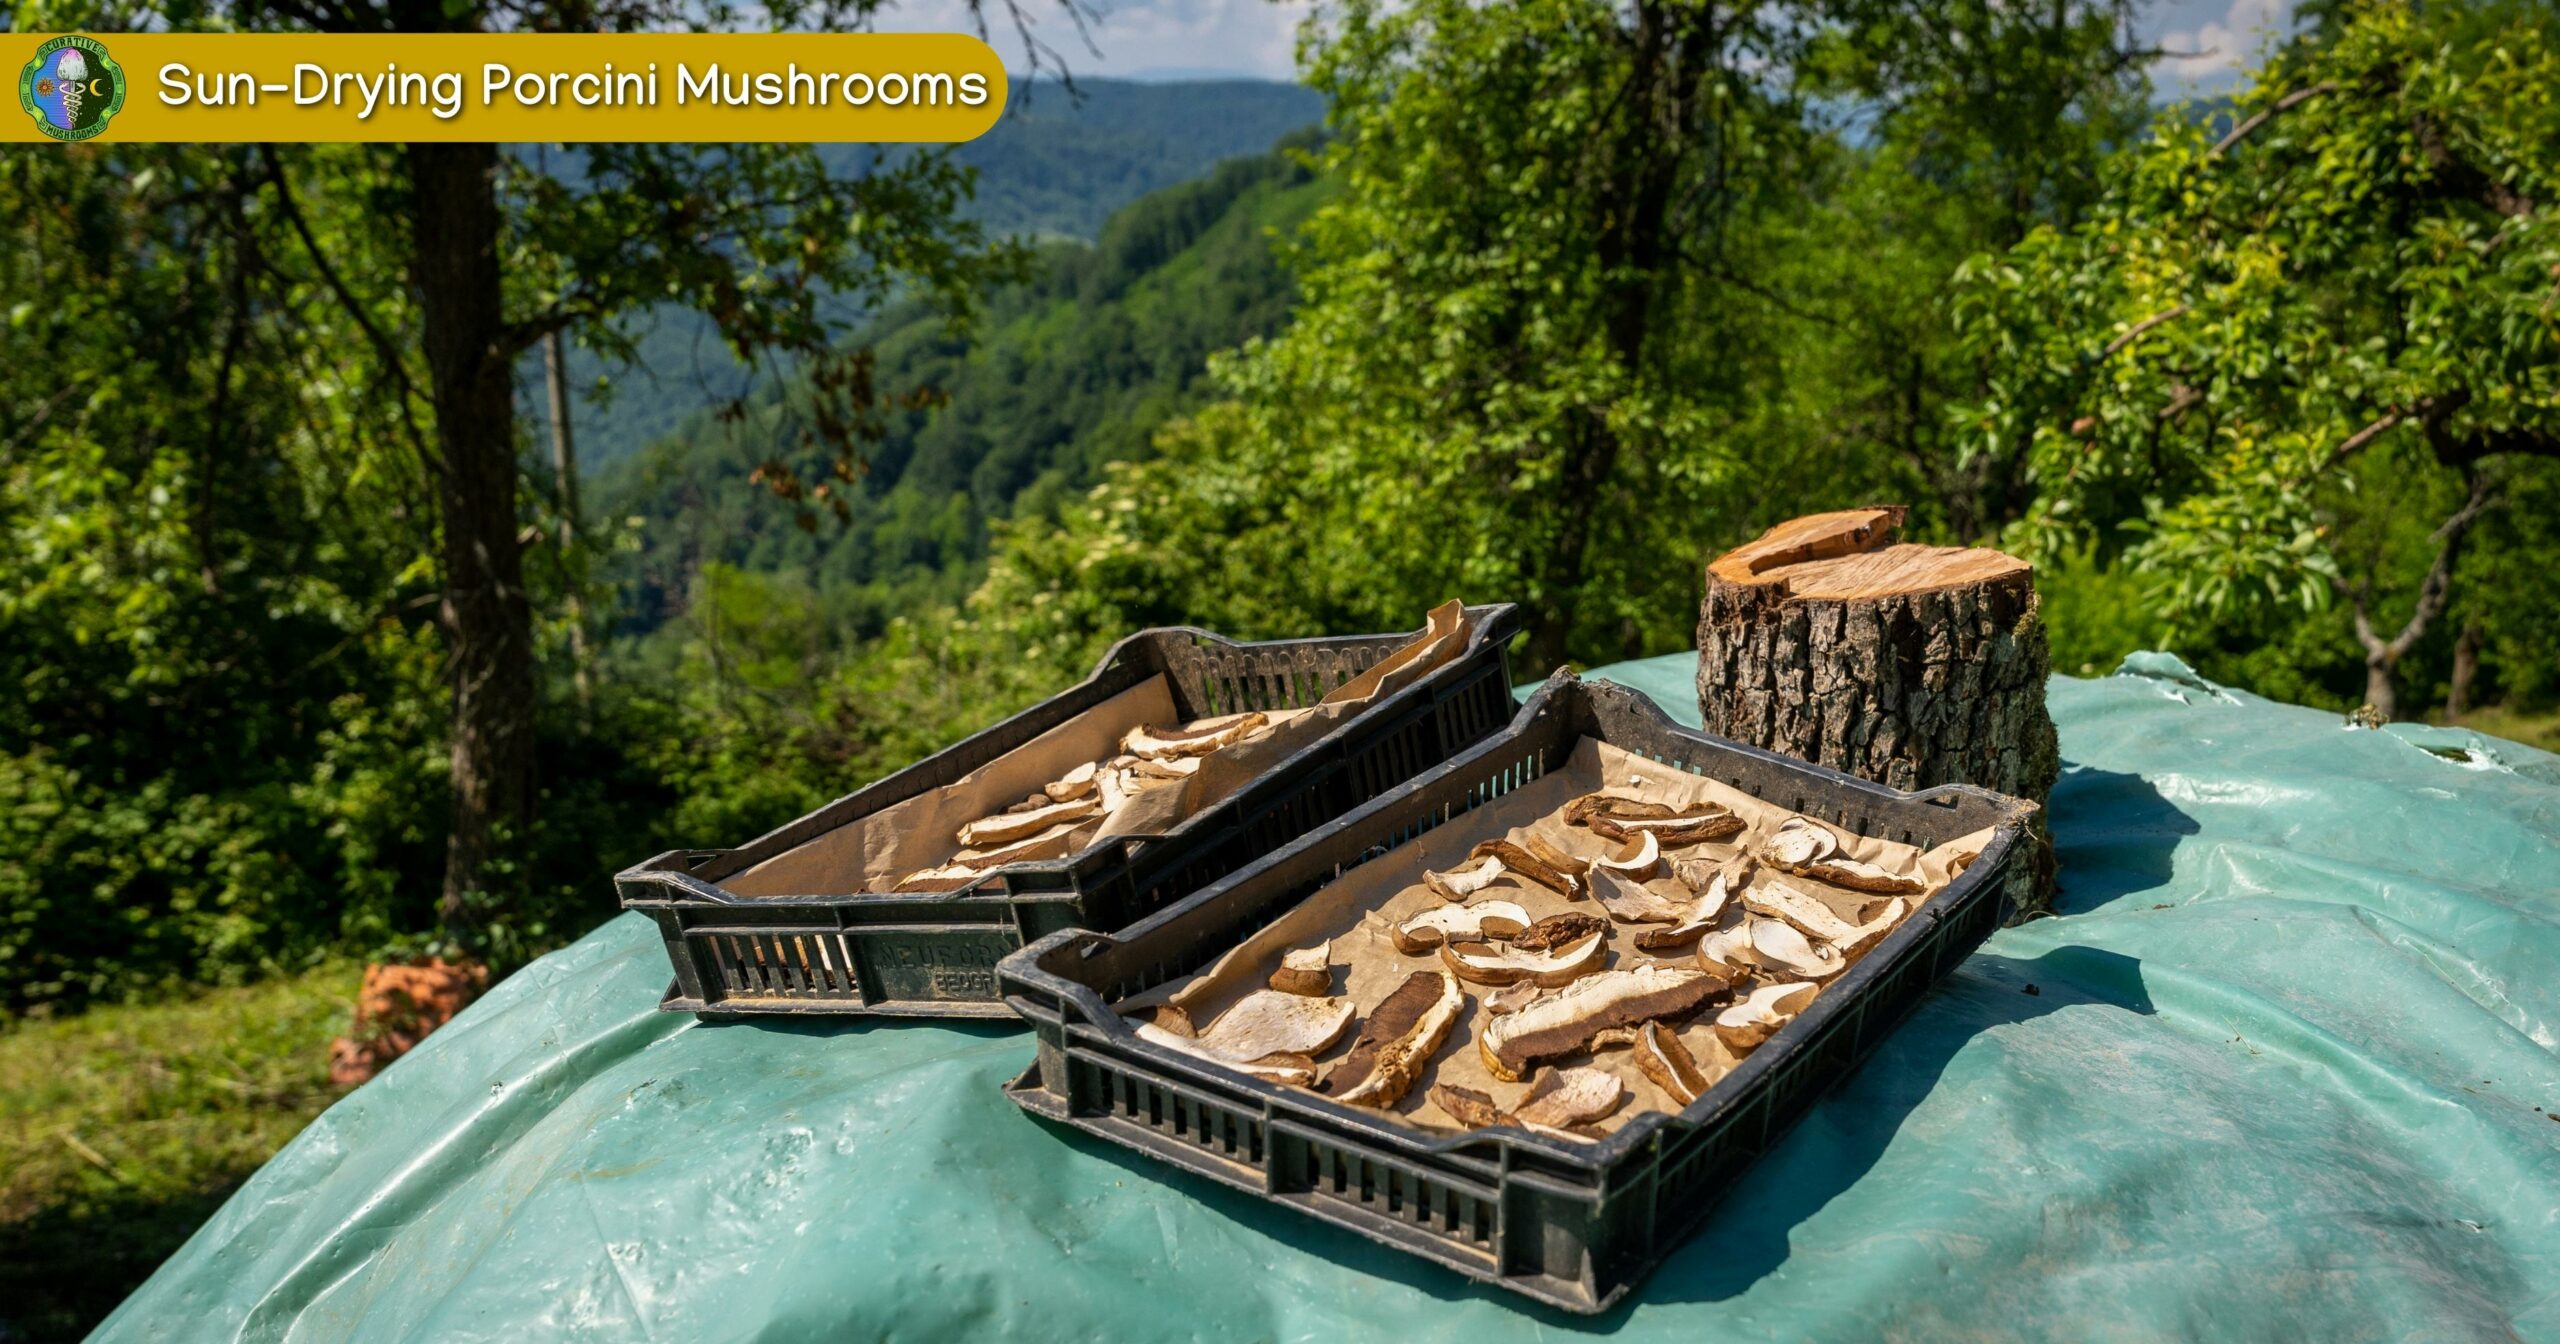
[
  {"x": 1569, "y": 1223},
  {"x": 934, "y": 955}
]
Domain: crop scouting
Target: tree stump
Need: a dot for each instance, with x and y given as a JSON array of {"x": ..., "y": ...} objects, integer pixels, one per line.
[{"x": 1909, "y": 665}]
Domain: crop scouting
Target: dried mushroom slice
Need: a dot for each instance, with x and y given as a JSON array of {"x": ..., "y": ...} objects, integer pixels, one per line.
[
  {"x": 1699, "y": 874},
  {"x": 1167, "y": 1017},
  {"x": 1267, "y": 1022},
  {"x": 1077, "y": 783},
  {"x": 1798, "y": 841},
  {"x": 1558, "y": 931},
  {"x": 1616, "y": 807},
  {"x": 1669, "y": 1064},
  {"x": 1631, "y": 902},
  {"x": 1465, "y": 1105},
  {"x": 1636, "y": 859},
  {"x": 1198, "y": 739},
  {"x": 1485, "y": 964},
  {"x": 1780, "y": 901},
  {"x": 1751, "y": 1019},
  {"x": 1052, "y": 843},
  {"x": 1727, "y": 951},
  {"x": 1397, "y": 1042},
  {"x": 1857, "y": 876},
  {"x": 1006, "y": 828},
  {"x": 1782, "y": 947},
  {"x": 949, "y": 877},
  {"x": 1181, "y": 767},
  {"x": 1615, "y": 818},
  {"x": 1565, "y": 1098},
  {"x": 1307, "y": 970},
  {"x": 1459, "y": 884},
  {"x": 1693, "y": 923},
  {"x": 1515, "y": 859},
  {"x": 1570, "y": 1019},
  {"x": 1512, "y": 999},
  {"x": 1481, "y": 922},
  {"x": 1290, "y": 1067}
]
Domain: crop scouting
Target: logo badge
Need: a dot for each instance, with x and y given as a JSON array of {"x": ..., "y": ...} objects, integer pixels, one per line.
[{"x": 72, "y": 88}]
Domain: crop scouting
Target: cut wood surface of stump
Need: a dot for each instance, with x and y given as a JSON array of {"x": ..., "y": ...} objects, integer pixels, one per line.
[{"x": 1913, "y": 666}]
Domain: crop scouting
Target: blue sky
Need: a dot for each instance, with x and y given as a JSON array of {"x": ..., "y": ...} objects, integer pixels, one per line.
[{"x": 1254, "y": 38}]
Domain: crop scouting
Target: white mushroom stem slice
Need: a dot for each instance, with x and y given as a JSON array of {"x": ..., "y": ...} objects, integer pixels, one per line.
[
  {"x": 987, "y": 832},
  {"x": 1693, "y": 922},
  {"x": 1297, "y": 1070},
  {"x": 1198, "y": 739},
  {"x": 1462, "y": 883},
  {"x": 1267, "y": 1022},
  {"x": 1510, "y": 1000},
  {"x": 1669, "y": 1064},
  {"x": 1637, "y": 859},
  {"x": 1762, "y": 1011},
  {"x": 949, "y": 877},
  {"x": 1781, "y": 901},
  {"x": 1572, "y": 1018},
  {"x": 1307, "y": 970},
  {"x": 1052, "y": 843},
  {"x": 1484, "y": 964},
  {"x": 1565, "y": 1097},
  {"x": 1483, "y": 921},
  {"x": 1397, "y": 1042},
  {"x": 1179, "y": 768},
  {"x": 1076, "y": 783},
  {"x": 1631, "y": 902},
  {"x": 1798, "y": 841},
  {"x": 1555, "y": 877},
  {"x": 1727, "y": 952},
  {"x": 1112, "y": 789},
  {"x": 1782, "y": 947}
]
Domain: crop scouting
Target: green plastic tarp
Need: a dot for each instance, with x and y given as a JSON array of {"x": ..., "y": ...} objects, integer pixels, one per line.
[{"x": 2281, "y": 1068}]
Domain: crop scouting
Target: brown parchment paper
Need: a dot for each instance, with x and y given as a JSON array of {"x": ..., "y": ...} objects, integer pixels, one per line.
[
  {"x": 1356, "y": 913},
  {"x": 873, "y": 852},
  {"x": 1443, "y": 638}
]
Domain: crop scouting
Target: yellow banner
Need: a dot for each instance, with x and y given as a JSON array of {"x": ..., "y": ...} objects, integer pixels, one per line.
[{"x": 603, "y": 87}]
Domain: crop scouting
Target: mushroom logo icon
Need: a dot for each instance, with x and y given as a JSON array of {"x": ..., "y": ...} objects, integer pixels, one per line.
[{"x": 72, "y": 88}]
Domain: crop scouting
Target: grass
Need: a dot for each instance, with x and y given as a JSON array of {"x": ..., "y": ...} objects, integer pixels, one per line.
[
  {"x": 124, "y": 1127},
  {"x": 2532, "y": 729}
]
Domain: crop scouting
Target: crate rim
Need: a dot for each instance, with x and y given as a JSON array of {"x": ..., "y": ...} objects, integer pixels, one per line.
[
  {"x": 1599, "y": 1158},
  {"x": 662, "y": 887}
]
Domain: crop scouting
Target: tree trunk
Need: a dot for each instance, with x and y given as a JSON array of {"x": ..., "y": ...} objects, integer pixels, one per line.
[
  {"x": 1912, "y": 666},
  {"x": 487, "y": 619},
  {"x": 2466, "y": 667},
  {"x": 2380, "y": 695},
  {"x": 564, "y": 470}
]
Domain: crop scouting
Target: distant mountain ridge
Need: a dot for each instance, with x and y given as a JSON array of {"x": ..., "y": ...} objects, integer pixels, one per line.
[{"x": 1056, "y": 166}]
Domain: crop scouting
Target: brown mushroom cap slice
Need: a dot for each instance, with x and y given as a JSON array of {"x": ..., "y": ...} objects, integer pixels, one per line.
[
  {"x": 1520, "y": 861},
  {"x": 1727, "y": 951},
  {"x": 1267, "y": 1022},
  {"x": 1459, "y": 884},
  {"x": 1556, "y": 931},
  {"x": 1750, "y": 1021},
  {"x": 1198, "y": 739},
  {"x": 1581, "y": 810},
  {"x": 1076, "y": 783},
  {"x": 1397, "y": 1042},
  {"x": 1485, "y": 964},
  {"x": 1798, "y": 841},
  {"x": 1571, "y": 1018},
  {"x": 1693, "y": 922},
  {"x": 1483, "y": 921},
  {"x": 1669, "y": 1064},
  {"x": 1465, "y": 1105},
  {"x": 1857, "y": 876},
  {"x": 1305, "y": 970},
  {"x": 1636, "y": 859},
  {"x": 930, "y": 881},
  {"x": 1562, "y": 1098},
  {"x": 1006, "y": 828},
  {"x": 1780, "y": 901},
  {"x": 1782, "y": 947},
  {"x": 1631, "y": 902}
]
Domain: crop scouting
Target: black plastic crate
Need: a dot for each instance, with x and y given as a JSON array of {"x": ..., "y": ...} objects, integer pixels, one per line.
[
  {"x": 1570, "y": 1223},
  {"x": 934, "y": 955}
]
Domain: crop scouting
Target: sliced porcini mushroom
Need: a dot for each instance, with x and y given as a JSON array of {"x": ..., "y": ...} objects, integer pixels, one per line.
[
  {"x": 1636, "y": 859},
  {"x": 1571, "y": 1018},
  {"x": 1669, "y": 1064},
  {"x": 1005, "y": 828},
  {"x": 1521, "y": 862},
  {"x": 1486, "y": 964},
  {"x": 1797, "y": 842},
  {"x": 1397, "y": 1041},
  {"x": 1168, "y": 1017},
  {"x": 1181, "y": 767},
  {"x": 1556, "y": 931},
  {"x": 1857, "y": 876},
  {"x": 1481, "y": 922},
  {"x": 1198, "y": 739},
  {"x": 1615, "y": 818},
  {"x": 1750, "y": 1020},
  {"x": 1033, "y": 803},
  {"x": 1727, "y": 951},
  {"x": 1512, "y": 999},
  {"x": 1077, "y": 783},
  {"x": 1052, "y": 843},
  {"x": 1564, "y": 1098},
  {"x": 1295, "y": 1069},
  {"x": 1693, "y": 922},
  {"x": 1306, "y": 970},
  {"x": 1780, "y": 901},
  {"x": 1465, "y": 1105},
  {"x": 949, "y": 877},
  {"x": 1631, "y": 902},
  {"x": 1615, "y": 807},
  {"x": 1459, "y": 884},
  {"x": 1782, "y": 947},
  {"x": 1267, "y": 1022}
]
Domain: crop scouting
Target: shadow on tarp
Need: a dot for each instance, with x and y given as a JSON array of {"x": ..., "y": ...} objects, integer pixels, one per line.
[
  {"x": 1746, "y": 1237},
  {"x": 2114, "y": 835}
]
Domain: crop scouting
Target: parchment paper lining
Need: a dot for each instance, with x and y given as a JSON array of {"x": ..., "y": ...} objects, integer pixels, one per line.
[{"x": 1356, "y": 913}]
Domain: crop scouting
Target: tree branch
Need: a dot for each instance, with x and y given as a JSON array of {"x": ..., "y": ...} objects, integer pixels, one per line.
[
  {"x": 382, "y": 346},
  {"x": 2438, "y": 587},
  {"x": 2134, "y": 333},
  {"x": 2285, "y": 104}
]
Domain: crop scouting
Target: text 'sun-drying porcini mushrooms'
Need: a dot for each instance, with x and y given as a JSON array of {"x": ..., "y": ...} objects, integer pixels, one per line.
[
  {"x": 1571, "y": 1018},
  {"x": 1484, "y": 921},
  {"x": 1396, "y": 1044}
]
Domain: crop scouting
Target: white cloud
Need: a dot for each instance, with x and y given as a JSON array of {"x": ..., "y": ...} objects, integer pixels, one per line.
[{"x": 2222, "y": 46}]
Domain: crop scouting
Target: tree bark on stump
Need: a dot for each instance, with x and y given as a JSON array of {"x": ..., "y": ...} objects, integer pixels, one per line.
[{"x": 1909, "y": 665}]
